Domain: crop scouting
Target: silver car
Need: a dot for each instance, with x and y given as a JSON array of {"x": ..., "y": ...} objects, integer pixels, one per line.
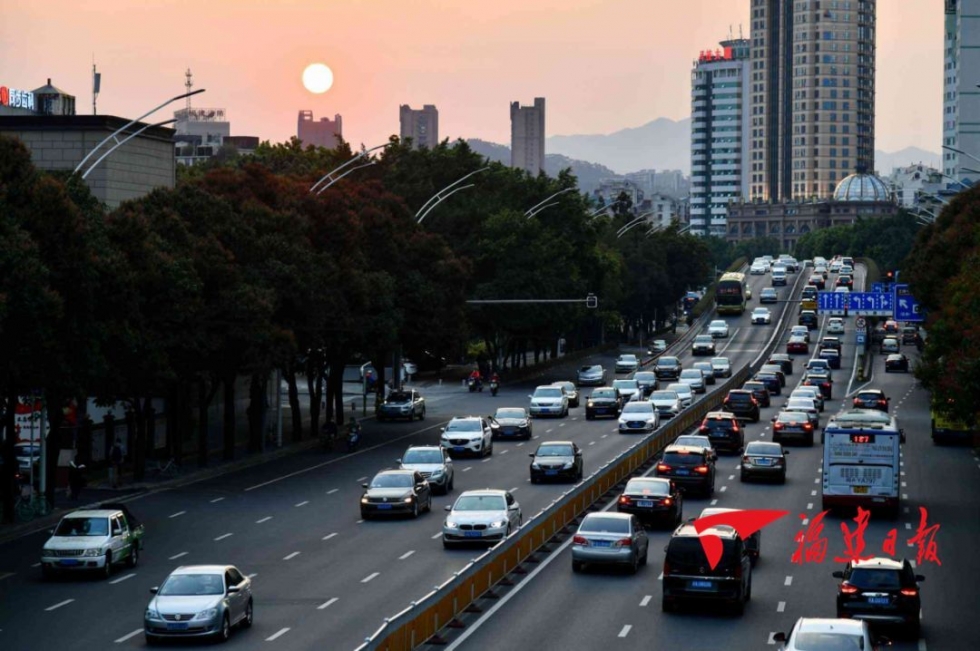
[
  {"x": 638, "y": 416},
  {"x": 626, "y": 363},
  {"x": 406, "y": 403},
  {"x": 433, "y": 463},
  {"x": 667, "y": 403},
  {"x": 592, "y": 375},
  {"x": 610, "y": 539},
  {"x": 199, "y": 601},
  {"x": 718, "y": 329},
  {"x": 695, "y": 378},
  {"x": 722, "y": 366},
  {"x": 487, "y": 515},
  {"x": 570, "y": 390},
  {"x": 707, "y": 370},
  {"x": 684, "y": 392},
  {"x": 628, "y": 390}
]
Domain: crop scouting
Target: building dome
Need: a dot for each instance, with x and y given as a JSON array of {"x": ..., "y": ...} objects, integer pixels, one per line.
[{"x": 861, "y": 187}]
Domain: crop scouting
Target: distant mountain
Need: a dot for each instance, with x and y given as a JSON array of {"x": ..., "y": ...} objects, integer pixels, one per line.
[
  {"x": 660, "y": 144},
  {"x": 885, "y": 162},
  {"x": 588, "y": 174},
  {"x": 496, "y": 153}
]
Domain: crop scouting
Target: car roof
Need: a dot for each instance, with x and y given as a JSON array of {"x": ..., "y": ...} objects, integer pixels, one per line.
[
  {"x": 556, "y": 443},
  {"x": 465, "y": 418},
  {"x": 394, "y": 472},
  {"x": 638, "y": 402},
  {"x": 828, "y": 625},
  {"x": 201, "y": 569},
  {"x": 688, "y": 531},
  {"x": 496, "y": 492},
  {"x": 720, "y": 415},
  {"x": 690, "y": 449},
  {"x": 93, "y": 513},
  {"x": 895, "y": 356},
  {"x": 721, "y": 359},
  {"x": 608, "y": 514},
  {"x": 425, "y": 447},
  {"x": 880, "y": 563}
]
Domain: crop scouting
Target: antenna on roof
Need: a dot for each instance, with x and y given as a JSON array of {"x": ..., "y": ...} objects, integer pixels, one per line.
[
  {"x": 96, "y": 85},
  {"x": 189, "y": 84}
]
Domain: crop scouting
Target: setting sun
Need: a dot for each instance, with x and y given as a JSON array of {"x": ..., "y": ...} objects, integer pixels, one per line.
[{"x": 317, "y": 78}]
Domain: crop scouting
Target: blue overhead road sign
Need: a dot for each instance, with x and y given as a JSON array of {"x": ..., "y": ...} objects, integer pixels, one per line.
[
  {"x": 906, "y": 307},
  {"x": 833, "y": 303},
  {"x": 871, "y": 303}
]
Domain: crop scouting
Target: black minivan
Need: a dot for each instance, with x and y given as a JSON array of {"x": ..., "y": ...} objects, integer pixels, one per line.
[{"x": 689, "y": 577}]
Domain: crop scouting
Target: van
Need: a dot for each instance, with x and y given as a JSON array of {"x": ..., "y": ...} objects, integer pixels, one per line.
[
  {"x": 778, "y": 276},
  {"x": 689, "y": 577}
]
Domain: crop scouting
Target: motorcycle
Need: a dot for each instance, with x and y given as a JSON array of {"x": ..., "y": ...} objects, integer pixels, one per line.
[
  {"x": 353, "y": 438},
  {"x": 474, "y": 384},
  {"x": 494, "y": 385}
]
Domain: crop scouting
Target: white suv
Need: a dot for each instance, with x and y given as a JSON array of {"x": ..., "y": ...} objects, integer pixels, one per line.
[
  {"x": 549, "y": 401},
  {"x": 467, "y": 435},
  {"x": 835, "y": 326}
]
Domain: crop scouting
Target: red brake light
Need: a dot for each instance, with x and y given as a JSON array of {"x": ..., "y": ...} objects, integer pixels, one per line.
[
  {"x": 777, "y": 426},
  {"x": 735, "y": 427},
  {"x": 808, "y": 426},
  {"x": 668, "y": 501},
  {"x": 910, "y": 592},
  {"x": 623, "y": 542},
  {"x": 881, "y": 402},
  {"x": 702, "y": 469},
  {"x": 703, "y": 428},
  {"x": 580, "y": 540},
  {"x": 857, "y": 401},
  {"x": 847, "y": 588},
  {"x": 624, "y": 499},
  {"x": 662, "y": 467}
]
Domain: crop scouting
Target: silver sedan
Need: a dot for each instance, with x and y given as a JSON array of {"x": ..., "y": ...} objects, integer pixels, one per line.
[
  {"x": 610, "y": 539},
  {"x": 199, "y": 601}
]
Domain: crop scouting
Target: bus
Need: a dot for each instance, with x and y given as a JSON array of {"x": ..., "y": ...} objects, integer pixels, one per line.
[
  {"x": 731, "y": 293},
  {"x": 948, "y": 430},
  {"x": 861, "y": 461}
]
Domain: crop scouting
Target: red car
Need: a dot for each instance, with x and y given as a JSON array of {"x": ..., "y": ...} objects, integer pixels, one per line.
[{"x": 797, "y": 345}]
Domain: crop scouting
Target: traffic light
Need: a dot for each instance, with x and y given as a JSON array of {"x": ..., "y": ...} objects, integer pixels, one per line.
[
  {"x": 591, "y": 301},
  {"x": 890, "y": 275}
]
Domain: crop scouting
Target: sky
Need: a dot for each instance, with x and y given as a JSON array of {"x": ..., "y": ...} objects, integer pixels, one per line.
[{"x": 602, "y": 65}]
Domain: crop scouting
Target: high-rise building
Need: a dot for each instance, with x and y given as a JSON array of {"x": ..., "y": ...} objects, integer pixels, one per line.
[
  {"x": 527, "y": 136},
  {"x": 961, "y": 104},
  {"x": 324, "y": 133},
  {"x": 719, "y": 135},
  {"x": 812, "y": 96},
  {"x": 422, "y": 126}
]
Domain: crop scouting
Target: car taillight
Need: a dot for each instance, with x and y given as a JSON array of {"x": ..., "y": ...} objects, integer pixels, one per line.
[
  {"x": 666, "y": 567},
  {"x": 745, "y": 460},
  {"x": 847, "y": 588},
  {"x": 703, "y": 428},
  {"x": 624, "y": 499},
  {"x": 825, "y": 384},
  {"x": 777, "y": 426},
  {"x": 580, "y": 540},
  {"x": 910, "y": 592},
  {"x": 702, "y": 469},
  {"x": 623, "y": 542},
  {"x": 668, "y": 501},
  {"x": 663, "y": 467},
  {"x": 857, "y": 401},
  {"x": 808, "y": 426},
  {"x": 735, "y": 427},
  {"x": 881, "y": 402}
]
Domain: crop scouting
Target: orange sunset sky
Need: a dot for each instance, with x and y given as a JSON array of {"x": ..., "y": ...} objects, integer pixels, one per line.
[{"x": 603, "y": 65}]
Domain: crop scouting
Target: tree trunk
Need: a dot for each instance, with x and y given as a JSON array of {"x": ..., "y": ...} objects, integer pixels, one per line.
[
  {"x": 136, "y": 418},
  {"x": 256, "y": 410},
  {"x": 294, "y": 410},
  {"x": 205, "y": 395},
  {"x": 335, "y": 389},
  {"x": 7, "y": 468},
  {"x": 228, "y": 419}
]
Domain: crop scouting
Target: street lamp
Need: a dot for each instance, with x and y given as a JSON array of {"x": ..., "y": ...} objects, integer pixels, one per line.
[
  {"x": 131, "y": 123},
  {"x": 534, "y": 210},
  {"x": 439, "y": 197},
  {"x": 329, "y": 175},
  {"x": 603, "y": 209},
  {"x": 961, "y": 153},
  {"x": 123, "y": 142},
  {"x": 955, "y": 180},
  {"x": 632, "y": 224}
]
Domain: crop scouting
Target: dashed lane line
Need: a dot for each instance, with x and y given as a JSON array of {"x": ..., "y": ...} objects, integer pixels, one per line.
[
  {"x": 58, "y": 605},
  {"x": 714, "y": 501},
  {"x": 176, "y": 556},
  {"x": 406, "y": 554},
  {"x": 303, "y": 503},
  {"x": 121, "y": 579},
  {"x": 129, "y": 635},
  {"x": 467, "y": 468},
  {"x": 361, "y": 478},
  {"x": 625, "y": 630},
  {"x": 265, "y": 519},
  {"x": 328, "y": 603},
  {"x": 329, "y": 536},
  {"x": 6, "y": 575},
  {"x": 438, "y": 535},
  {"x": 645, "y": 601},
  {"x": 289, "y": 557},
  {"x": 177, "y": 514},
  {"x": 223, "y": 536},
  {"x": 370, "y": 577},
  {"x": 781, "y": 606},
  {"x": 277, "y": 634},
  {"x": 217, "y": 499},
  {"x": 724, "y": 488},
  {"x": 771, "y": 640},
  {"x": 332, "y": 491},
  {"x": 788, "y": 581}
]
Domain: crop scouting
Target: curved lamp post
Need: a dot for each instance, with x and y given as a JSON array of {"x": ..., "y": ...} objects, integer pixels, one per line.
[
  {"x": 123, "y": 142},
  {"x": 603, "y": 209},
  {"x": 439, "y": 197},
  {"x": 633, "y": 223},
  {"x": 329, "y": 175},
  {"x": 534, "y": 210}
]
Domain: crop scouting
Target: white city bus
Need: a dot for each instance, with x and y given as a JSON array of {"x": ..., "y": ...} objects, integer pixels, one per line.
[{"x": 861, "y": 461}]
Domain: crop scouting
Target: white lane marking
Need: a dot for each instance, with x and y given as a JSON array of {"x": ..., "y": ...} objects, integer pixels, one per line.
[
  {"x": 360, "y": 521},
  {"x": 177, "y": 514},
  {"x": 252, "y": 575},
  {"x": 406, "y": 554},
  {"x": 724, "y": 488},
  {"x": 129, "y": 635},
  {"x": 908, "y": 525},
  {"x": 370, "y": 577},
  {"x": 816, "y": 481},
  {"x": 216, "y": 500},
  {"x": 772, "y": 641},
  {"x": 438, "y": 535},
  {"x": 176, "y": 556},
  {"x": 121, "y": 579},
  {"x": 731, "y": 477},
  {"x": 265, "y": 519},
  {"x": 781, "y": 606},
  {"x": 361, "y": 478},
  {"x": 303, "y": 503},
  {"x": 6, "y": 575},
  {"x": 625, "y": 630},
  {"x": 58, "y": 605},
  {"x": 788, "y": 581},
  {"x": 537, "y": 436},
  {"x": 549, "y": 431},
  {"x": 329, "y": 536},
  {"x": 813, "y": 493},
  {"x": 604, "y": 436},
  {"x": 809, "y": 506},
  {"x": 805, "y": 522},
  {"x": 467, "y": 468},
  {"x": 922, "y": 645},
  {"x": 904, "y": 485},
  {"x": 223, "y": 536},
  {"x": 574, "y": 417},
  {"x": 561, "y": 424},
  {"x": 520, "y": 444},
  {"x": 327, "y": 604},
  {"x": 36, "y": 565},
  {"x": 660, "y": 577},
  {"x": 486, "y": 460},
  {"x": 515, "y": 488},
  {"x": 504, "y": 451},
  {"x": 291, "y": 556},
  {"x": 714, "y": 501},
  {"x": 591, "y": 442},
  {"x": 332, "y": 491},
  {"x": 643, "y": 602},
  {"x": 906, "y": 509},
  {"x": 277, "y": 634},
  {"x": 905, "y": 496},
  {"x": 912, "y": 563}
]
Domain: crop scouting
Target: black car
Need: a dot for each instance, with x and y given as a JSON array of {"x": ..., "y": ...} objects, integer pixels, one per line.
[
  {"x": 763, "y": 459},
  {"x": 910, "y": 335},
  {"x": 777, "y": 369},
  {"x": 688, "y": 576},
  {"x": 604, "y": 401},
  {"x": 771, "y": 380},
  {"x": 845, "y": 281},
  {"x": 652, "y": 500},
  {"x": 556, "y": 460},
  {"x": 759, "y": 391},
  {"x": 822, "y": 380},
  {"x": 808, "y": 318},
  {"x": 688, "y": 467},
  {"x": 723, "y": 430},
  {"x": 832, "y": 356},
  {"x": 871, "y": 399},
  {"x": 792, "y": 424},
  {"x": 882, "y": 591},
  {"x": 396, "y": 492},
  {"x": 743, "y": 404},
  {"x": 897, "y": 362},
  {"x": 830, "y": 342},
  {"x": 511, "y": 423},
  {"x": 784, "y": 360},
  {"x": 668, "y": 368},
  {"x": 647, "y": 381}
]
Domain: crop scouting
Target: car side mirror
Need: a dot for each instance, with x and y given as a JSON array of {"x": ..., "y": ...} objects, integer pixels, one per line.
[
  {"x": 529, "y": 395},
  {"x": 531, "y": 455},
  {"x": 773, "y": 419},
  {"x": 398, "y": 460},
  {"x": 447, "y": 508},
  {"x": 779, "y": 637},
  {"x": 513, "y": 507},
  {"x": 838, "y": 575},
  {"x": 233, "y": 589},
  {"x": 364, "y": 485},
  {"x": 154, "y": 590},
  {"x": 785, "y": 451},
  {"x": 919, "y": 578}
]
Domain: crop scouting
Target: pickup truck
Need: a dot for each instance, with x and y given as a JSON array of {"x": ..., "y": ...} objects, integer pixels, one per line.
[{"x": 93, "y": 539}]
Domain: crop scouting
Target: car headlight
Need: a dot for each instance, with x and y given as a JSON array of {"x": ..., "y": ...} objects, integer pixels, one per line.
[
  {"x": 210, "y": 613},
  {"x": 152, "y": 614},
  {"x": 364, "y": 500},
  {"x": 652, "y": 422},
  {"x": 536, "y": 466},
  {"x": 496, "y": 524},
  {"x": 567, "y": 465},
  {"x": 92, "y": 552},
  {"x": 408, "y": 500},
  {"x": 437, "y": 473},
  {"x": 451, "y": 525}
]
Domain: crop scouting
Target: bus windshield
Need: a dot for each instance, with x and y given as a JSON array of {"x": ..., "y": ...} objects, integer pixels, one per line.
[{"x": 730, "y": 293}]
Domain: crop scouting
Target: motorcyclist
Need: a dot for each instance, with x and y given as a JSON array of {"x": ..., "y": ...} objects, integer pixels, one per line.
[
  {"x": 495, "y": 378},
  {"x": 476, "y": 377}
]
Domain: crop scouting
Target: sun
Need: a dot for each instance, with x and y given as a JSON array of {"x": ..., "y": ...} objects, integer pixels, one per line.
[{"x": 317, "y": 78}]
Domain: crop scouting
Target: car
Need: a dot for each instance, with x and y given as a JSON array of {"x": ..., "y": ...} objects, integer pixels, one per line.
[
  {"x": 652, "y": 500},
  {"x": 844, "y": 281},
  {"x": 830, "y": 342},
  {"x": 743, "y": 404},
  {"x": 759, "y": 392},
  {"x": 688, "y": 576},
  {"x": 763, "y": 459},
  {"x": 808, "y": 298},
  {"x": 753, "y": 544},
  {"x": 769, "y": 295},
  {"x": 556, "y": 460},
  {"x": 822, "y": 380},
  {"x": 667, "y": 403},
  {"x": 396, "y": 492},
  {"x": 626, "y": 363},
  {"x": 784, "y": 360},
  {"x": 871, "y": 399},
  {"x": 813, "y": 393},
  {"x": 706, "y": 370},
  {"x": 647, "y": 381},
  {"x": 832, "y": 356},
  {"x": 817, "y": 280},
  {"x": 410, "y": 368},
  {"x": 759, "y": 269},
  {"x": 571, "y": 391},
  {"x": 897, "y": 362},
  {"x": 890, "y": 345},
  {"x": 843, "y": 289},
  {"x": 199, "y": 601},
  {"x": 821, "y": 270},
  {"x": 797, "y": 346},
  {"x": 591, "y": 375},
  {"x": 433, "y": 463},
  {"x": 891, "y": 327},
  {"x": 683, "y": 391},
  {"x": 761, "y": 316},
  {"x": 658, "y": 347},
  {"x": 690, "y": 468},
  {"x": 604, "y": 401},
  {"x": 695, "y": 378},
  {"x": 696, "y": 441},
  {"x": 771, "y": 380},
  {"x": 93, "y": 540},
  {"x": 808, "y": 318},
  {"x": 721, "y": 366},
  {"x": 610, "y": 539},
  {"x": 800, "y": 331},
  {"x": 511, "y": 423},
  {"x": 910, "y": 334},
  {"x": 27, "y": 454},
  {"x": 703, "y": 345},
  {"x": 638, "y": 416},
  {"x": 818, "y": 364},
  {"x": 794, "y": 424},
  {"x": 549, "y": 400},
  {"x": 723, "y": 430},
  {"x": 668, "y": 368},
  {"x": 718, "y": 329},
  {"x": 778, "y": 276},
  {"x": 880, "y": 590},
  {"x": 807, "y": 263},
  {"x": 628, "y": 390},
  {"x": 402, "y": 403},
  {"x": 777, "y": 368},
  {"x": 807, "y": 406},
  {"x": 481, "y": 516},
  {"x": 835, "y": 266},
  {"x": 467, "y": 435}
]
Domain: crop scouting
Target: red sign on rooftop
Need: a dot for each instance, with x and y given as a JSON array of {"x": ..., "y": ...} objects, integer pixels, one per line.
[{"x": 707, "y": 56}]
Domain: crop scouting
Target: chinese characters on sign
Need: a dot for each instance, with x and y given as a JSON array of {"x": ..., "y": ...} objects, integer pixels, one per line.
[{"x": 812, "y": 545}]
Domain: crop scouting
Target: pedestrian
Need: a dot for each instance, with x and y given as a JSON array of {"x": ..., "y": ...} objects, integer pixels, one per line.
[
  {"x": 115, "y": 463},
  {"x": 76, "y": 478}
]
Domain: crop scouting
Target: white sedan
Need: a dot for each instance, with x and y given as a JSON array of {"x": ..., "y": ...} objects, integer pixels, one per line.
[
  {"x": 835, "y": 326},
  {"x": 718, "y": 328},
  {"x": 762, "y": 316}
]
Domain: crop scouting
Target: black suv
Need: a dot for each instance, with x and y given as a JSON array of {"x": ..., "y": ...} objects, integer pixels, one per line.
[
  {"x": 785, "y": 362},
  {"x": 743, "y": 404},
  {"x": 667, "y": 368},
  {"x": 689, "y": 467},
  {"x": 689, "y": 576},
  {"x": 760, "y": 392},
  {"x": 808, "y": 318},
  {"x": 872, "y": 399},
  {"x": 880, "y": 590},
  {"x": 822, "y": 380},
  {"x": 604, "y": 401},
  {"x": 723, "y": 430}
]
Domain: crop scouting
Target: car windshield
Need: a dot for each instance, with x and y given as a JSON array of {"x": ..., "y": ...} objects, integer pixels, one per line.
[
  {"x": 604, "y": 524},
  {"x": 718, "y": 324},
  {"x": 868, "y": 395},
  {"x": 806, "y": 641},
  {"x": 83, "y": 527},
  {"x": 423, "y": 456},
  {"x": 627, "y": 358},
  {"x": 554, "y": 450},
  {"x": 399, "y": 396},
  {"x": 739, "y": 397},
  {"x": 693, "y": 439},
  {"x": 637, "y": 408},
  {"x": 464, "y": 426},
  {"x": 702, "y": 339},
  {"x": 791, "y": 417},
  {"x": 569, "y": 386},
  {"x": 663, "y": 395},
  {"x": 510, "y": 412},
  {"x": 548, "y": 392},
  {"x": 604, "y": 393},
  {"x": 682, "y": 459},
  {"x": 760, "y": 311},
  {"x": 590, "y": 369},
  {"x": 758, "y": 447},
  {"x": 645, "y": 376},
  {"x": 680, "y": 388},
  {"x": 648, "y": 487},
  {"x": 869, "y": 579},
  {"x": 687, "y": 551},
  {"x": 720, "y": 361},
  {"x": 392, "y": 480},
  {"x": 625, "y": 384},
  {"x": 692, "y": 374},
  {"x": 186, "y": 585},
  {"x": 666, "y": 362},
  {"x": 754, "y": 386},
  {"x": 480, "y": 503}
]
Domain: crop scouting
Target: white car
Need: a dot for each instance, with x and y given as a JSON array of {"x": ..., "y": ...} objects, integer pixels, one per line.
[
  {"x": 835, "y": 326},
  {"x": 626, "y": 363},
  {"x": 718, "y": 328},
  {"x": 835, "y": 266},
  {"x": 592, "y": 374},
  {"x": 629, "y": 390},
  {"x": 549, "y": 401},
  {"x": 758, "y": 268},
  {"x": 658, "y": 346},
  {"x": 667, "y": 403},
  {"x": 638, "y": 416},
  {"x": 761, "y": 316},
  {"x": 684, "y": 392},
  {"x": 93, "y": 540},
  {"x": 467, "y": 435},
  {"x": 696, "y": 441},
  {"x": 811, "y": 392},
  {"x": 800, "y": 331},
  {"x": 695, "y": 378},
  {"x": 486, "y": 515},
  {"x": 817, "y": 633}
]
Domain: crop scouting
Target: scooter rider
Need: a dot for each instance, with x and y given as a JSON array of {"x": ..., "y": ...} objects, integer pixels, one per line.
[{"x": 477, "y": 378}]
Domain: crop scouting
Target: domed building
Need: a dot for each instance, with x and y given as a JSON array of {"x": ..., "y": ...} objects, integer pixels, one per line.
[{"x": 861, "y": 187}]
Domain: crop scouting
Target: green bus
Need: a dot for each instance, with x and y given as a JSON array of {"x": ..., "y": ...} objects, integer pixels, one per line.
[{"x": 731, "y": 293}]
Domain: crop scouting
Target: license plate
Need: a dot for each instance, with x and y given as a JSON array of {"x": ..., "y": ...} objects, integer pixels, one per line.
[
  {"x": 878, "y": 601},
  {"x": 459, "y": 448},
  {"x": 472, "y": 534},
  {"x": 176, "y": 626},
  {"x": 646, "y": 504},
  {"x": 601, "y": 543},
  {"x": 551, "y": 472},
  {"x": 860, "y": 489},
  {"x": 683, "y": 472},
  {"x": 68, "y": 561},
  {"x": 702, "y": 585},
  {"x": 384, "y": 507},
  {"x": 763, "y": 462}
]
